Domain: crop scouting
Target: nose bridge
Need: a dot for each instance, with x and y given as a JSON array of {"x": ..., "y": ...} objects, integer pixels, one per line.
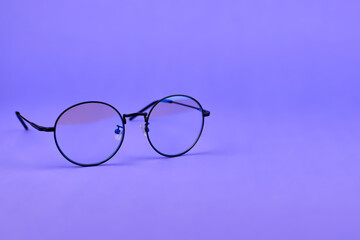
[{"x": 132, "y": 115}]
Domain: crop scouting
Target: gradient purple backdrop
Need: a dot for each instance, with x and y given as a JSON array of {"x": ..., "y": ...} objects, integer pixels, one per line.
[{"x": 278, "y": 158}]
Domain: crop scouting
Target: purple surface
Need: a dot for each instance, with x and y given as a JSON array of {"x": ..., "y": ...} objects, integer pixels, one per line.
[{"x": 279, "y": 155}]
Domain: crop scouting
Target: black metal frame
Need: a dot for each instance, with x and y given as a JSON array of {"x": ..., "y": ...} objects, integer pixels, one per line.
[
  {"x": 205, "y": 113},
  {"x": 131, "y": 116},
  {"x": 95, "y": 164}
]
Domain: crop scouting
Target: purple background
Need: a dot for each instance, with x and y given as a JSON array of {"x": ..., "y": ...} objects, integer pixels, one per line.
[{"x": 278, "y": 158}]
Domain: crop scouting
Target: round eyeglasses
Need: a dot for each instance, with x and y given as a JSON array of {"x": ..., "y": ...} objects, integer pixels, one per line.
[{"x": 90, "y": 133}]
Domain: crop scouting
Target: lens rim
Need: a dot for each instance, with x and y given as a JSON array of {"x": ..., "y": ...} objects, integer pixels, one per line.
[
  {"x": 93, "y": 164},
  {"x": 202, "y": 125}
]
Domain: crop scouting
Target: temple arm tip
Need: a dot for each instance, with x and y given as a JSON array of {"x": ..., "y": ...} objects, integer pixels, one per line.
[
  {"x": 18, "y": 115},
  {"x": 206, "y": 113}
]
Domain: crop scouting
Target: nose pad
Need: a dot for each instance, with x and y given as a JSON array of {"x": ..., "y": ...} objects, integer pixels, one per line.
[
  {"x": 145, "y": 129},
  {"x": 118, "y": 132}
]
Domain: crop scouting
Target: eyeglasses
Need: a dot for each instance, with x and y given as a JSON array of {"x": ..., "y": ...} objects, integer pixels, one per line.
[{"x": 90, "y": 133}]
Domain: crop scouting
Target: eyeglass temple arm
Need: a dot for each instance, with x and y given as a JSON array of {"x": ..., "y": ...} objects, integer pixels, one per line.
[
  {"x": 37, "y": 127},
  {"x": 206, "y": 113}
]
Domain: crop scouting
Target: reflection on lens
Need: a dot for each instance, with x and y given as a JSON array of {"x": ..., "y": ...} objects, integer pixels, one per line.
[
  {"x": 175, "y": 125},
  {"x": 89, "y": 133}
]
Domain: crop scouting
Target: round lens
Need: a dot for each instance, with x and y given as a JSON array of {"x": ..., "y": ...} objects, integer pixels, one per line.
[
  {"x": 89, "y": 133},
  {"x": 175, "y": 124}
]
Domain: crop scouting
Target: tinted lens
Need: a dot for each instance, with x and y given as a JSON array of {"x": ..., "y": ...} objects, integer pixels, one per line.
[
  {"x": 89, "y": 133},
  {"x": 175, "y": 125}
]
